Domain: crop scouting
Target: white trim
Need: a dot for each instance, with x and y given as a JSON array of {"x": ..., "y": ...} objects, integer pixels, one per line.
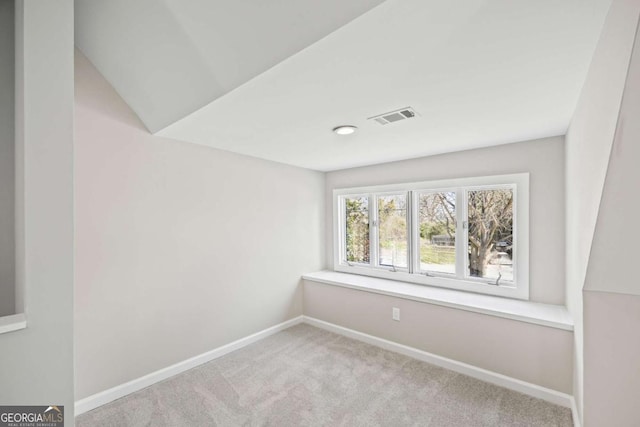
[
  {"x": 574, "y": 413},
  {"x": 553, "y": 316},
  {"x": 104, "y": 397},
  {"x": 520, "y": 386},
  {"x": 553, "y": 396},
  {"x": 15, "y": 322},
  {"x": 439, "y": 185},
  {"x": 519, "y": 183}
]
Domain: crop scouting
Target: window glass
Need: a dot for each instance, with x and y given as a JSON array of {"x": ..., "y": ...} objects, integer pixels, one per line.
[
  {"x": 357, "y": 229},
  {"x": 490, "y": 233},
  {"x": 392, "y": 230},
  {"x": 437, "y": 216}
]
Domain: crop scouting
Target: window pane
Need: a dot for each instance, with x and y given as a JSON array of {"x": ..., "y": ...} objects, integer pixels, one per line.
[
  {"x": 392, "y": 230},
  {"x": 490, "y": 214},
  {"x": 357, "y": 229},
  {"x": 437, "y": 214}
]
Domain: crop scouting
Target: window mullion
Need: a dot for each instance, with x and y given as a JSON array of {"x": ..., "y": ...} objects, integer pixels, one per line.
[
  {"x": 461, "y": 233},
  {"x": 342, "y": 230},
  {"x": 373, "y": 230},
  {"x": 410, "y": 233}
]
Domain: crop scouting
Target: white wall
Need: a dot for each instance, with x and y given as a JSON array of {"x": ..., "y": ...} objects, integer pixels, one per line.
[
  {"x": 611, "y": 290},
  {"x": 180, "y": 248},
  {"x": 543, "y": 159},
  {"x": 588, "y": 145},
  {"x": 37, "y": 362},
  {"x": 7, "y": 154}
]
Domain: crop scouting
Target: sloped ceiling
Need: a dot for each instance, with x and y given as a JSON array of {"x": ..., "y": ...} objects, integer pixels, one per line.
[
  {"x": 271, "y": 79},
  {"x": 168, "y": 58}
]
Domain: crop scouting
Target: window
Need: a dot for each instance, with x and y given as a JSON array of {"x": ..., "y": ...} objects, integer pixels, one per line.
[
  {"x": 437, "y": 232},
  {"x": 357, "y": 229},
  {"x": 392, "y": 230},
  {"x": 469, "y": 234}
]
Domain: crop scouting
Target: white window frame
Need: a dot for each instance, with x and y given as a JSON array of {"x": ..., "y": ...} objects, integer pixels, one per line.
[{"x": 519, "y": 183}]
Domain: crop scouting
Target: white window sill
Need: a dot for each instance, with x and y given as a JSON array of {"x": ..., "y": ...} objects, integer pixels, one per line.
[
  {"x": 554, "y": 316},
  {"x": 472, "y": 285},
  {"x": 15, "y": 322}
]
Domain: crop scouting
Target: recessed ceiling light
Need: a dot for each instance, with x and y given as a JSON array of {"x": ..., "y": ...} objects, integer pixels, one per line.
[{"x": 345, "y": 130}]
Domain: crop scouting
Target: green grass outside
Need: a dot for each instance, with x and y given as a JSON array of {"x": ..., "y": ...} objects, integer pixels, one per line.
[
  {"x": 434, "y": 254},
  {"x": 429, "y": 254}
]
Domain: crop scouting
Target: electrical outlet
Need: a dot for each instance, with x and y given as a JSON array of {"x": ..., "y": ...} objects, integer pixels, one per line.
[{"x": 395, "y": 313}]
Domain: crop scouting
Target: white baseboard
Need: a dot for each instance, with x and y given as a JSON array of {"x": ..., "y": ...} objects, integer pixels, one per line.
[
  {"x": 524, "y": 387},
  {"x": 574, "y": 413},
  {"x": 553, "y": 396},
  {"x": 104, "y": 397}
]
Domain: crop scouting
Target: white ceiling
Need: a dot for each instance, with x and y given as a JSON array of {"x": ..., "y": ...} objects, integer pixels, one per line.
[
  {"x": 479, "y": 72},
  {"x": 167, "y": 58}
]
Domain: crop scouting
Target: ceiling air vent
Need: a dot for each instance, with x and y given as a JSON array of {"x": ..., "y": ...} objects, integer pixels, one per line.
[{"x": 394, "y": 116}]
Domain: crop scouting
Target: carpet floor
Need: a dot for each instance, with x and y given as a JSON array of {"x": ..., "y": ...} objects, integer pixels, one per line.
[{"x": 305, "y": 376}]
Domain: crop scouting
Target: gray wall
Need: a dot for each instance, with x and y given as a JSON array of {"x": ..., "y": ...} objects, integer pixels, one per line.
[
  {"x": 37, "y": 362},
  {"x": 588, "y": 147},
  {"x": 180, "y": 248},
  {"x": 7, "y": 155},
  {"x": 533, "y": 353},
  {"x": 611, "y": 290},
  {"x": 543, "y": 159},
  {"x": 515, "y": 347}
]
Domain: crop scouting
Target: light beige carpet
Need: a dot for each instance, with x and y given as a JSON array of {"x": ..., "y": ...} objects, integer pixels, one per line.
[{"x": 305, "y": 376}]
